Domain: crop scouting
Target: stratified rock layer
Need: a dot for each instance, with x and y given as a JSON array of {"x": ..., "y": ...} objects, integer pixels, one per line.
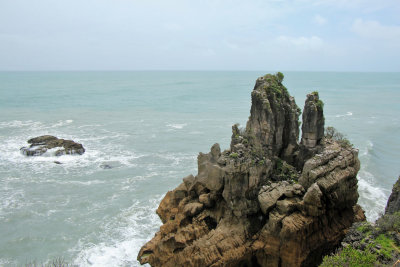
[
  {"x": 313, "y": 121},
  {"x": 42, "y": 144},
  {"x": 248, "y": 206}
]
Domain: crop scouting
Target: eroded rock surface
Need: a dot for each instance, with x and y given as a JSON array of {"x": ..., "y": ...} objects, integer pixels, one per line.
[
  {"x": 42, "y": 144},
  {"x": 249, "y": 206}
]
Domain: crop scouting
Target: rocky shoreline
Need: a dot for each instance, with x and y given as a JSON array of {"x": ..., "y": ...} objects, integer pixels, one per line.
[{"x": 266, "y": 201}]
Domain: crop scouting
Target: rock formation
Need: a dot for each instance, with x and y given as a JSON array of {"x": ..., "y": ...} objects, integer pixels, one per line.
[
  {"x": 249, "y": 205},
  {"x": 40, "y": 145},
  {"x": 393, "y": 204},
  {"x": 312, "y": 128}
]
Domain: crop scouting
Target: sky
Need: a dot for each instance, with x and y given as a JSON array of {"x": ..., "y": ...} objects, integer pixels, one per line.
[{"x": 293, "y": 35}]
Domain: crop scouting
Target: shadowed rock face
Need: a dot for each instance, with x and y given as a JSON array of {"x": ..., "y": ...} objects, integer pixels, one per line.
[
  {"x": 40, "y": 145},
  {"x": 249, "y": 206},
  {"x": 393, "y": 204}
]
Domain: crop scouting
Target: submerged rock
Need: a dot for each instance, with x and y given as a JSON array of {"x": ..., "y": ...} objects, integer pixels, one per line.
[
  {"x": 248, "y": 206},
  {"x": 106, "y": 166},
  {"x": 42, "y": 144}
]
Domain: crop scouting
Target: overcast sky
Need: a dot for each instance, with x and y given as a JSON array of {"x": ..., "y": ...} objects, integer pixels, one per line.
[{"x": 309, "y": 35}]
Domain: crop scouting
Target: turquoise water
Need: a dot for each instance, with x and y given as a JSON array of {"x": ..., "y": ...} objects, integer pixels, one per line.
[{"x": 150, "y": 126}]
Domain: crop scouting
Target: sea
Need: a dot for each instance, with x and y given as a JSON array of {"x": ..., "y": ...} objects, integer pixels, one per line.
[{"x": 142, "y": 131}]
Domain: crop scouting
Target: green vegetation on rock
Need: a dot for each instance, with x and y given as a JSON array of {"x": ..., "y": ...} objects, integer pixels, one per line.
[
  {"x": 332, "y": 133},
  {"x": 369, "y": 244},
  {"x": 275, "y": 85},
  {"x": 284, "y": 171},
  {"x": 320, "y": 104},
  {"x": 280, "y": 76},
  {"x": 350, "y": 257},
  {"x": 234, "y": 155}
]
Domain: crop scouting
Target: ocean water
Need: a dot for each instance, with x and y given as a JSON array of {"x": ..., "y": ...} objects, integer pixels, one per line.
[{"x": 149, "y": 127}]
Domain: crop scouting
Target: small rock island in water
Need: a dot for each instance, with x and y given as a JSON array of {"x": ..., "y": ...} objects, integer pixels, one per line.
[
  {"x": 268, "y": 200},
  {"x": 42, "y": 144}
]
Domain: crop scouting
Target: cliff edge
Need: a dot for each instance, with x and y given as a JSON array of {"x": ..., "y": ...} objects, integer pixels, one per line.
[
  {"x": 372, "y": 244},
  {"x": 266, "y": 201}
]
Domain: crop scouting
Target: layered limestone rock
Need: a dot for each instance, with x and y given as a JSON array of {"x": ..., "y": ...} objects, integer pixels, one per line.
[
  {"x": 273, "y": 121},
  {"x": 312, "y": 128},
  {"x": 249, "y": 206},
  {"x": 313, "y": 121},
  {"x": 45, "y": 143}
]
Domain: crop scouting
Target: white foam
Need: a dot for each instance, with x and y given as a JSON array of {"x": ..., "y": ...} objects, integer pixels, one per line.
[
  {"x": 177, "y": 125},
  {"x": 366, "y": 150},
  {"x": 97, "y": 152},
  {"x": 122, "y": 238},
  {"x": 10, "y": 200},
  {"x": 87, "y": 183},
  {"x": 348, "y": 113},
  {"x": 7, "y": 262},
  {"x": 372, "y": 198},
  {"x": 61, "y": 123}
]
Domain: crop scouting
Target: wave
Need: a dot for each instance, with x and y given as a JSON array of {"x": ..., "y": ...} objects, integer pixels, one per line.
[
  {"x": 177, "y": 125},
  {"x": 372, "y": 198},
  {"x": 19, "y": 124},
  {"x": 349, "y": 113},
  {"x": 367, "y": 149},
  {"x": 11, "y": 200},
  {"x": 122, "y": 237}
]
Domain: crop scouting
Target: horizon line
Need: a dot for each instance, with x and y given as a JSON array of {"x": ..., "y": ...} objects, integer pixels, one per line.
[{"x": 202, "y": 70}]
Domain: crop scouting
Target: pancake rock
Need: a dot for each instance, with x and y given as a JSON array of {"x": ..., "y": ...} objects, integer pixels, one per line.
[
  {"x": 258, "y": 203},
  {"x": 46, "y": 143}
]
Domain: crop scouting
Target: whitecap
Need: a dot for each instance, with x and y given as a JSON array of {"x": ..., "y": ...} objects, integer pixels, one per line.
[
  {"x": 348, "y": 113},
  {"x": 122, "y": 237},
  {"x": 367, "y": 149},
  {"x": 11, "y": 200},
  {"x": 19, "y": 124},
  {"x": 87, "y": 183},
  {"x": 372, "y": 198},
  {"x": 7, "y": 262},
  {"x": 61, "y": 123},
  {"x": 177, "y": 125}
]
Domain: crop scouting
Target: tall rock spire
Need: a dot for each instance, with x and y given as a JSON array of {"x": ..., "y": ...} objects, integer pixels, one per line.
[
  {"x": 273, "y": 120},
  {"x": 313, "y": 121}
]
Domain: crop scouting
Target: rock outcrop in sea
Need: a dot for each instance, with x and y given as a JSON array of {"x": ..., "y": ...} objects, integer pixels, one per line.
[
  {"x": 268, "y": 200},
  {"x": 42, "y": 144}
]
